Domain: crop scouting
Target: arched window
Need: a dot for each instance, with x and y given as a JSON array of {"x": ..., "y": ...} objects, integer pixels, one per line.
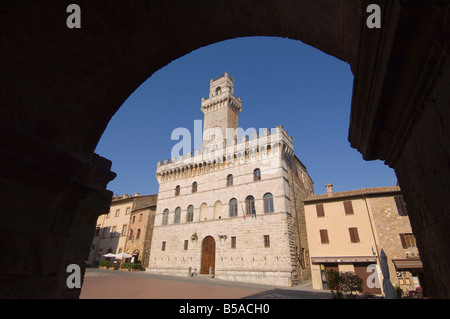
[
  {"x": 233, "y": 207},
  {"x": 218, "y": 210},
  {"x": 194, "y": 187},
  {"x": 138, "y": 233},
  {"x": 177, "y": 190},
  {"x": 250, "y": 206},
  {"x": 268, "y": 203},
  {"x": 203, "y": 211},
  {"x": 190, "y": 214},
  {"x": 165, "y": 217},
  {"x": 177, "y": 215},
  {"x": 229, "y": 180},
  {"x": 257, "y": 174},
  {"x": 218, "y": 90}
]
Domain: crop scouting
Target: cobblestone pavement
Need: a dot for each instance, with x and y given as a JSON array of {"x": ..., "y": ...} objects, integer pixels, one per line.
[{"x": 114, "y": 284}]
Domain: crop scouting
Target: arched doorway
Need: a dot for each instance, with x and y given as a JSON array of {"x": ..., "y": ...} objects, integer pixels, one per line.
[{"x": 208, "y": 255}]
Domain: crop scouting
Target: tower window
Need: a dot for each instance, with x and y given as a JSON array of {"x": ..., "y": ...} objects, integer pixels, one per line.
[
  {"x": 257, "y": 174},
  {"x": 233, "y": 242},
  {"x": 230, "y": 180},
  {"x": 218, "y": 90},
  {"x": 190, "y": 213},
  {"x": 233, "y": 207},
  {"x": 268, "y": 203},
  {"x": 165, "y": 217},
  {"x": 177, "y": 190},
  {"x": 194, "y": 187},
  {"x": 250, "y": 205},
  {"x": 177, "y": 215},
  {"x": 266, "y": 241}
]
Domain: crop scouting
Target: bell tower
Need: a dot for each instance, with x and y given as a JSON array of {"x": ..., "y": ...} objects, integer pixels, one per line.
[{"x": 220, "y": 111}]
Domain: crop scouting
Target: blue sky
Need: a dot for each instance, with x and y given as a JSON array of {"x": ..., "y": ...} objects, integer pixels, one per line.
[{"x": 281, "y": 82}]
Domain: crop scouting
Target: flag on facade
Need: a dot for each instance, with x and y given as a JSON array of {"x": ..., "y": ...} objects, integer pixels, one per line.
[{"x": 243, "y": 212}]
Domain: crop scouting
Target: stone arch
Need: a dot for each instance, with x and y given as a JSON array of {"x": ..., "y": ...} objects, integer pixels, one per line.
[{"x": 385, "y": 124}]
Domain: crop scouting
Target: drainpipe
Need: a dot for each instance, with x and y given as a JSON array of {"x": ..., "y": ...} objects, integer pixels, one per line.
[
  {"x": 374, "y": 241},
  {"x": 371, "y": 225}
]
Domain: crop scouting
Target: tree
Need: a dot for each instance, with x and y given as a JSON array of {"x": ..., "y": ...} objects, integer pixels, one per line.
[
  {"x": 346, "y": 282},
  {"x": 335, "y": 283},
  {"x": 351, "y": 282}
]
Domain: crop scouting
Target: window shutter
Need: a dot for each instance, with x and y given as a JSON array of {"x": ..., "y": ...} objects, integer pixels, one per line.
[
  {"x": 401, "y": 205},
  {"x": 403, "y": 241},
  {"x": 320, "y": 210},
  {"x": 324, "y": 236},
  {"x": 354, "y": 237},
  {"x": 348, "y": 207}
]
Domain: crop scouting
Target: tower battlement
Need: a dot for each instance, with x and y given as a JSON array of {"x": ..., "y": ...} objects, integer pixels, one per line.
[{"x": 273, "y": 144}]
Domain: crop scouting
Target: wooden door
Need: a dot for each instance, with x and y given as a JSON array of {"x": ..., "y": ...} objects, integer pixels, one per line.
[{"x": 208, "y": 255}]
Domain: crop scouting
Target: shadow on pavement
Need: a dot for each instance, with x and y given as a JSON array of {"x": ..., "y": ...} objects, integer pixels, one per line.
[{"x": 289, "y": 294}]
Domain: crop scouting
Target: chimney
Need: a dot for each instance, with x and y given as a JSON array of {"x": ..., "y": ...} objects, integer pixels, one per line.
[{"x": 329, "y": 189}]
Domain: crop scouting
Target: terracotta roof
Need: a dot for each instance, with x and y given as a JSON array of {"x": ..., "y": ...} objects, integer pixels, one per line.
[{"x": 353, "y": 193}]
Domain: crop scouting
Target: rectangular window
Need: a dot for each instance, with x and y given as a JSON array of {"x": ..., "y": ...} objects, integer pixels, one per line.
[
  {"x": 354, "y": 237},
  {"x": 233, "y": 242},
  {"x": 97, "y": 230},
  {"x": 348, "y": 207},
  {"x": 124, "y": 230},
  {"x": 108, "y": 215},
  {"x": 128, "y": 211},
  {"x": 401, "y": 205},
  {"x": 163, "y": 247},
  {"x": 117, "y": 213},
  {"x": 324, "y": 236},
  {"x": 186, "y": 243},
  {"x": 105, "y": 232},
  {"x": 407, "y": 240},
  {"x": 266, "y": 241},
  {"x": 113, "y": 232},
  {"x": 320, "y": 211}
]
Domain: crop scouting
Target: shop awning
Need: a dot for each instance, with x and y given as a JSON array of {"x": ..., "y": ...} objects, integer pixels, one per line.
[
  {"x": 355, "y": 259},
  {"x": 408, "y": 263}
]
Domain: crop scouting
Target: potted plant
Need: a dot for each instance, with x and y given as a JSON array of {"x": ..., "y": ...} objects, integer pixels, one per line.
[
  {"x": 105, "y": 264},
  {"x": 125, "y": 267},
  {"x": 136, "y": 267},
  {"x": 398, "y": 292}
]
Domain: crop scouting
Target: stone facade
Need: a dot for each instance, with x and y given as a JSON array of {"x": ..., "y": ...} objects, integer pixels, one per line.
[
  {"x": 241, "y": 197},
  {"x": 379, "y": 220},
  {"x": 116, "y": 231},
  {"x": 391, "y": 227}
]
